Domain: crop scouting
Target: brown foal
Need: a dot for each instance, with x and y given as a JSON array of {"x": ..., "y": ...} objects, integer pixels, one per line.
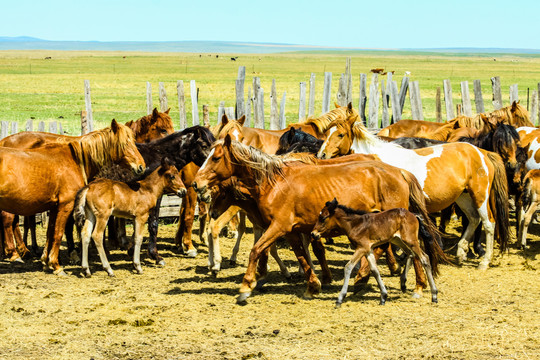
[
  {"x": 100, "y": 199},
  {"x": 367, "y": 230}
]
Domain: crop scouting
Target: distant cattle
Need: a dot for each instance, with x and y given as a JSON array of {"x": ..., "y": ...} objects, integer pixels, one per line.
[
  {"x": 234, "y": 58},
  {"x": 48, "y": 58}
]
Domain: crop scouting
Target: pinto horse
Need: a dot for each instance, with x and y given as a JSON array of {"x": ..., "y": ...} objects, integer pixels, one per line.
[
  {"x": 367, "y": 230},
  {"x": 54, "y": 173},
  {"x": 102, "y": 198},
  {"x": 285, "y": 195},
  {"x": 455, "y": 172}
]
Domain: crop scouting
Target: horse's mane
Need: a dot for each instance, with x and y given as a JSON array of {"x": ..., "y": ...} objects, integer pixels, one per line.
[
  {"x": 198, "y": 130},
  {"x": 141, "y": 125},
  {"x": 262, "y": 166},
  {"x": 350, "y": 211},
  {"x": 304, "y": 158},
  {"x": 443, "y": 132},
  {"x": 515, "y": 115},
  {"x": 322, "y": 123},
  {"x": 224, "y": 129},
  {"x": 101, "y": 147}
]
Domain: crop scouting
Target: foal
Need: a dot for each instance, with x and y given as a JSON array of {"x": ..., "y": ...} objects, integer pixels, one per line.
[
  {"x": 100, "y": 199},
  {"x": 367, "y": 230}
]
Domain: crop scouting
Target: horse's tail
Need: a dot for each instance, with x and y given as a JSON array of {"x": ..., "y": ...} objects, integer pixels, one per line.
[
  {"x": 78, "y": 210},
  {"x": 498, "y": 200},
  {"x": 429, "y": 233}
]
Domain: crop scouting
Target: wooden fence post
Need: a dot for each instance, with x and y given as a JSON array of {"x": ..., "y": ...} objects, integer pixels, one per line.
[
  {"x": 537, "y": 120},
  {"x": 163, "y": 98},
  {"x": 53, "y": 127},
  {"x": 181, "y": 104},
  {"x": 373, "y": 121},
  {"x": 326, "y": 92},
  {"x": 149, "y": 105},
  {"x": 478, "y": 99},
  {"x": 194, "y": 103},
  {"x": 363, "y": 98},
  {"x": 221, "y": 111},
  {"x": 60, "y": 129},
  {"x": 282, "y": 120},
  {"x": 256, "y": 91},
  {"x": 416, "y": 101},
  {"x": 240, "y": 83},
  {"x": 514, "y": 93},
  {"x": 466, "y": 99},
  {"x": 206, "y": 115},
  {"x": 29, "y": 125},
  {"x": 41, "y": 126},
  {"x": 260, "y": 109},
  {"x": 448, "y": 100},
  {"x": 302, "y": 102},
  {"x": 348, "y": 80},
  {"x": 88, "y": 101},
  {"x": 385, "y": 119},
  {"x": 4, "y": 129},
  {"x": 394, "y": 99},
  {"x": 84, "y": 122},
  {"x": 229, "y": 111},
  {"x": 341, "y": 94},
  {"x": 497, "y": 95},
  {"x": 248, "y": 121},
  {"x": 534, "y": 107},
  {"x": 14, "y": 127},
  {"x": 403, "y": 93},
  {"x": 438, "y": 106},
  {"x": 311, "y": 103},
  {"x": 274, "y": 112}
]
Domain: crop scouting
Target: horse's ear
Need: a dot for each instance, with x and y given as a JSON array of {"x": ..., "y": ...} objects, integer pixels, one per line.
[
  {"x": 114, "y": 126},
  {"x": 165, "y": 162},
  {"x": 349, "y": 106},
  {"x": 227, "y": 141},
  {"x": 155, "y": 113},
  {"x": 242, "y": 120},
  {"x": 224, "y": 120},
  {"x": 515, "y": 105},
  {"x": 167, "y": 111},
  {"x": 336, "y": 104}
]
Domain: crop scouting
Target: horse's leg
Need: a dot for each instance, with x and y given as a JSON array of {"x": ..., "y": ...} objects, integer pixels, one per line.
[
  {"x": 373, "y": 265},
  {"x": 214, "y": 252},
  {"x": 30, "y": 226},
  {"x": 153, "y": 222},
  {"x": 466, "y": 204},
  {"x": 183, "y": 235},
  {"x": 282, "y": 267},
  {"x": 72, "y": 251},
  {"x": 97, "y": 235},
  {"x": 138, "y": 225},
  {"x": 405, "y": 272},
  {"x": 477, "y": 242},
  {"x": 239, "y": 235},
  {"x": 489, "y": 228},
  {"x": 21, "y": 246},
  {"x": 391, "y": 261},
  {"x": 10, "y": 248},
  {"x": 358, "y": 254},
  {"x": 63, "y": 213},
  {"x": 320, "y": 252},
  {"x": 49, "y": 240},
  {"x": 267, "y": 239},
  {"x": 446, "y": 215},
  {"x": 86, "y": 235},
  {"x": 203, "y": 221},
  {"x": 314, "y": 285},
  {"x": 526, "y": 217},
  {"x": 232, "y": 226},
  {"x": 112, "y": 237},
  {"x": 362, "y": 277}
]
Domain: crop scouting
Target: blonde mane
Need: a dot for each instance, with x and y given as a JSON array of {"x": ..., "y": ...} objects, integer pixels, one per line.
[
  {"x": 323, "y": 122},
  {"x": 222, "y": 130}
]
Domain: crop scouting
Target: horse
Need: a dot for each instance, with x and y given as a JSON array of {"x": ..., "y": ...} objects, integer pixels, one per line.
[
  {"x": 153, "y": 126},
  {"x": 102, "y": 198},
  {"x": 367, "y": 230},
  {"x": 530, "y": 140},
  {"x": 285, "y": 197},
  {"x": 455, "y": 172},
  {"x": 294, "y": 136},
  {"x": 528, "y": 204},
  {"x": 415, "y": 142},
  {"x": 54, "y": 173}
]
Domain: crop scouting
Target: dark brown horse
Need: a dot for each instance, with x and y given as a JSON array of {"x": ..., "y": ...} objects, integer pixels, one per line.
[
  {"x": 54, "y": 173},
  {"x": 286, "y": 198},
  {"x": 367, "y": 230}
]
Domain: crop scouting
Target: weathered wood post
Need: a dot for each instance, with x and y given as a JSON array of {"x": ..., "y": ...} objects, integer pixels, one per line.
[
  {"x": 229, "y": 111},
  {"x": 260, "y": 110},
  {"x": 88, "y": 101},
  {"x": 403, "y": 92},
  {"x": 14, "y": 127},
  {"x": 416, "y": 101},
  {"x": 373, "y": 121},
  {"x": 282, "y": 120},
  {"x": 394, "y": 99},
  {"x": 302, "y": 102},
  {"x": 341, "y": 95},
  {"x": 53, "y": 127},
  {"x": 363, "y": 98},
  {"x": 311, "y": 102},
  {"x": 478, "y": 99},
  {"x": 221, "y": 111},
  {"x": 162, "y": 98},
  {"x": 348, "y": 81},
  {"x": 181, "y": 104},
  {"x": 274, "y": 112},
  {"x": 385, "y": 119},
  {"x": 248, "y": 121},
  {"x": 41, "y": 126},
  {"x": 534, "y": 107},
  {"x": 514, "y": 93},
  {"x": 466, "y": 99},
  {"x": 240, "y": 83},
  {"x": 149, "y": 106},
  {"x": 326, "y": 92},
  {"x": 206, "y": 115},
  {"x": 438, "y": 106},
  {"x": 4, "y": 129},
  {"x": 255, "y": 100},
  {"x": 84, "y": 122},
  {"x": 497, "y": 95},
  {"x": 448, "y": 100},
  {"x": 194, "y": 103},
  {"x": 29, "y": 125}
]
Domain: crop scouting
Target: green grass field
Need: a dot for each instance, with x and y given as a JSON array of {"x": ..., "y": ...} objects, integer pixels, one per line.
[{"x": 32, "y": 87}]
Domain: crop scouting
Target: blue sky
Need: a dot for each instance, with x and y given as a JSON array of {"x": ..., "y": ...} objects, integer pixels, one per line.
[{"x": 360, "y": 24}]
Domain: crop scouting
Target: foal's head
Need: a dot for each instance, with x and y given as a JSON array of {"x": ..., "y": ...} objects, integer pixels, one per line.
[
  {"x": 171, "y": 177},
  {"x": 326, "y": 221}
]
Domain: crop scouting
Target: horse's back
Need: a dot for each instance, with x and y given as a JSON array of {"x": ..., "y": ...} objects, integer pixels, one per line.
[{"x": 409, "y": 128}]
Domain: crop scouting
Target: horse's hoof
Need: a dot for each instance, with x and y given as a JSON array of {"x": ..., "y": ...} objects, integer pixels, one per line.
[
  {"x": 307, "y": 295},
  {"x": 233, "y": 263},
  {"x": 60, "y": 272},
  {"x": 416, "y": 295},
  {"x": 338, "y": 304},
  {"x": 17, "y": 260},
  {"x": 87, "y": 274},
  {"x": 74, "y": 258},
  {"x": 242, "y": 298},
  {"x": 161, "y": 262},
  {"x": 261, "y": 282},
  {"x": 191, "y": 253},
  {"x": 482, "y": 266},
  {"x": 214, "y": 273}
]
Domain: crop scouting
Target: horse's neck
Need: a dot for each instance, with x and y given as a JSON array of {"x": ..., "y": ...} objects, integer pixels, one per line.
[
  {"x": 348, "y": 222},
  {"x": 153, "y": 184}
]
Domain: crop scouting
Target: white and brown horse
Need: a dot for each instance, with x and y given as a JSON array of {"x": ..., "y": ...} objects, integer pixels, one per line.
[{"x": 456, "y": 172}]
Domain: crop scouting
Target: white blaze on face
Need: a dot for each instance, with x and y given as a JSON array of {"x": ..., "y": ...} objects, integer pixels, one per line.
[
  {"x": 325, "y": 143},
  {"x": 207, "y": 159},
  {"x": 236, "y": 134}
]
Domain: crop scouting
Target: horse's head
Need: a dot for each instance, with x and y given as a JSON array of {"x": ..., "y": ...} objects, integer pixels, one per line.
[
  {"x": 195, "y": 144},
  {"x": 339, "y": 136},
  {"x": 123, "y": 149},
  {"x": 151, "y": 127},
  {"x": 326, "y": 221},
  {"x": 231, "y": 127},
  {"x": 520, "y": 115},
  {"x": 172, "y": 179},
  {"x": 217, "y": 167},
  {"x": 506, "y": 142}
]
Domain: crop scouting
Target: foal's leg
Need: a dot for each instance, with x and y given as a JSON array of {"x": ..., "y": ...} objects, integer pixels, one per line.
[
  {"x": 203, "y": 222},
  {"x": 153, "y": 222},
  {"x": 357, "y": 255},
  {"x": 525, "y": 220},
  {"x": 97, "y": 235},
  {"x": 373, "y": 264},
  {"x": 185, "y": 225},
  {"x": 138, "y": 225},
  {"x": 73, "y": 254},
  {"x": 86, "y": 235},
  {"x": 314, "y": 285},
  {"x": 410, "y": 242}
]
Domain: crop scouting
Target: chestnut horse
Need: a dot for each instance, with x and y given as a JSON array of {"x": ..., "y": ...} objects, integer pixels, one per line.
[
  {"x": 102, "y": 198},
  {"x": 150, "y": 127},
  {"x": 367, "y": 230},
  {"x": 54, "y": 173},
  {"x": 528, "y": 204},
  {"x": 455, "y": 172},
  {"x": 287, "y": 193}
]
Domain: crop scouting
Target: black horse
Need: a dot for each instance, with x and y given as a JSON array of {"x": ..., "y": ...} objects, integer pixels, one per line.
[
  {"x": 416, "y": 142},
  {"x": 296, "y": 140}
]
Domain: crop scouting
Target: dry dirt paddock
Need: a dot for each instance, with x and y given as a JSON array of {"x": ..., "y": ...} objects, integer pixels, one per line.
[{"x": 180, "y": 312}]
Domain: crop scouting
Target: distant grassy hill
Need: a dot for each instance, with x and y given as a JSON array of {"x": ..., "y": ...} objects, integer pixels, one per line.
[{"x": 228, "y": 47}]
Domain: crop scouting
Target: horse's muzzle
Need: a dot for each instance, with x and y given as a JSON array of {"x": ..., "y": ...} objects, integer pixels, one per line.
[
  {"x": 315, "y": 235},
  {"x": 181, "y": 193},
  {"x": 138, "y": 170}
]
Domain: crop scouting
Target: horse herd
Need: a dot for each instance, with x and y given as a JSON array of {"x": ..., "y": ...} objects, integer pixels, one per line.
[{"x": 331, "y": 176}]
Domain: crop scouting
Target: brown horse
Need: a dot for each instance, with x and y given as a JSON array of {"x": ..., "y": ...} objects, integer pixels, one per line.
[
  {"x": 150, "y": 127},
  {"x": 102, "y": 198},
  {"x": 455, "y": 172},
  {"x": 529, "y": 201},
  {"x": 48, "y": 178},
  {"x": 367, "y": 230},
  {"x": 286, "y": 195}
]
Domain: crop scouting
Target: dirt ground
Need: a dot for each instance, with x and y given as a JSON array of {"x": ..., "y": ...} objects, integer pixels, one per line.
[{"x": 180, "y": 312}]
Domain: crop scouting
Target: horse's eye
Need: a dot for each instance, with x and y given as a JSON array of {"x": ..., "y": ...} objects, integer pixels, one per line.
[
  {"x": 215, "y": 158},
  {"x": 340, "y": 136},
  {"x": 163, "y": 131}
]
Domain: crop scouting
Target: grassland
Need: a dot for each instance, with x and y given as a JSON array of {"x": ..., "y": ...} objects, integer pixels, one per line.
[{"x": 52, "y": 89}]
